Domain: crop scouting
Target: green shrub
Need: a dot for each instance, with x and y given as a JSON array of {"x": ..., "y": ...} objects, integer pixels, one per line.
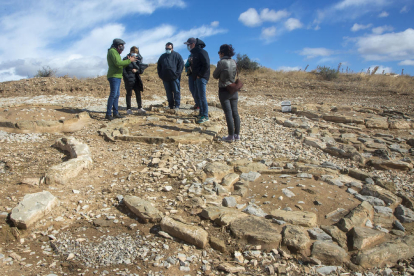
[
  {"x": 46, "y": 72},
  {"x": 245, "y": 63},
  {"x": 327, "y": 73}
]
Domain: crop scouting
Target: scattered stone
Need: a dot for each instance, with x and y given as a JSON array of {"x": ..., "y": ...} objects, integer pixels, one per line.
[
  {"x": 217, "y": 170},
  {"x": 357, "y": 217},
  {"x": 337, "y": 235},
  {"x": 255, "y": 211},
  {"x": 288, "y": 192},
  {"x": 327, "y": 270},
  {"x": 229, "y": 202},
  {"x": 320, "y": 235},
  {"x": 230, "y": 179},
  {"x": 217, "y": 244},
  {"x": 372, "y": 190},
  {"x": 32, "y": 208},
  {"x": 404, "y": 214},
  {"x": 250, "y": 176},
  {"x": 230, "y": 268}
]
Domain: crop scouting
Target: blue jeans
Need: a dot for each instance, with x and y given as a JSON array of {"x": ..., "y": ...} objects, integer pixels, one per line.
[
  {"x": 191, "y": 86},
  {"x": 172, "y": 89},
  {"x": 200, "y": 85},
  {"x": 115, "y": 86}
]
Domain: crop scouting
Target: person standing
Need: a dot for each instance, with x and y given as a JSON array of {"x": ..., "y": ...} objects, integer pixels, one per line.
[
  {"x": 225, "y": 72},
  {"x": 191, "y": 85},
  {"x": 169, "y": 67},
  {"x": 114, "y": 75},
  {"x": 132, "y": 80},
  {"x": 201, "y": 74}
]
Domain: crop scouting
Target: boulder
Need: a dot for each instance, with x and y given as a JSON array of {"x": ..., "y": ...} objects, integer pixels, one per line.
[
  {"x": 320, "y": 235},
  {"x": 329, "y": 253},
  {"x": 295, "y": 238},
  {"x": 404, "y": 214},
  {"x": 142, "y": 208},
  {"x": 314, "y": 142},
  {"x": 32, "y": 208},
  {"x": 230, "y": 179},
  {"x": 381, "y": 164},
  {"x": 337, "y": 235},
  {"x": 192, "y": 234},
  {"x": 387, "y": 253},
  {"x": 399, "y": 124},
  {"x": 365, "y": 237},
  {"x": 357, "y": 217},
  {"x": 256, "y": 231},
  {"x": 358, "y": 174},
  {"x": 218, "y": 244},
  {"x": 379, "y": 123},
  {"x": 217, "y": 170},
  {"x": 388, "y": 197},
  {"x": 307, "y": 219}
]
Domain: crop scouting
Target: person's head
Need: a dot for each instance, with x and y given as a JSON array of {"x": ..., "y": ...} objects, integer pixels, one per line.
[
  {"x": 226, "y": 50},
  {"x": 191, "y": 42},
  {"x": 134, "y": 50},
  {"x": 169, "y": 47},
  {"x": 118, "y": 44}
]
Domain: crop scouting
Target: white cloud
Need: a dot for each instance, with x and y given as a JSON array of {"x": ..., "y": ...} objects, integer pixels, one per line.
[
  {"x": 73, "y": 37},
  {"x": 272, "y": 15},
  {"x": 404, "y": 9},
  {"x": 350, "y": 9},
  {"x": 383, "y": 14},
  {"x": 387, "y": 47},
  {"x": 268, "y": 33},
  {"x": 252, "y": 18},
  {"x": 382, "y": 29},
  {"x": 315, "y": 52},
  {"x": 409, "y": 62},
  {"x": 356, "y": 27},
  {"x": 214, "y": 24},
  {"x": 293, "y": 23},
  {"x": 288, "y": 68}
]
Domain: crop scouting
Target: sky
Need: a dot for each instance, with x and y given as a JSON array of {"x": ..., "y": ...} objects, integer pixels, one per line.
[{"x": 73, "y": 36}]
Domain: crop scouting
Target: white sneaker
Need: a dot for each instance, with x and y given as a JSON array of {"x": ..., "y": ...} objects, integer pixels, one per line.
[
  {"x": 142, "y": 111},
  {"x": 129, "y": 112}
]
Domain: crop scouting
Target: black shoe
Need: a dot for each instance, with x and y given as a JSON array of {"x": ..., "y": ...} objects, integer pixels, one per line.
[
  {"x": 109, "y": 117},
  {"x": 118, "y": 116}
]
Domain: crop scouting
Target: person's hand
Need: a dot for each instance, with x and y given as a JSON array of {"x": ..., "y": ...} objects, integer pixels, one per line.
[
  {"x": 134, "y": 70},
  {"x": 132, "y": 59}
]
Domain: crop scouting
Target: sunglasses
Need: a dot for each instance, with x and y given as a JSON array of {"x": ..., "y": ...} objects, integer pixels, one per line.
[{"x": 168, "y": 48}]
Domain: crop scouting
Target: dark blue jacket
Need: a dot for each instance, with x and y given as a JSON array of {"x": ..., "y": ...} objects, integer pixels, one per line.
[
  {"x": 170, "y": 66},
  {"x": 201, "y": 61}
]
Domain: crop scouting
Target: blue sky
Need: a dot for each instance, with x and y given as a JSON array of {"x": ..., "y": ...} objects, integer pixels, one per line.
[{"x": 73, "y": 36}]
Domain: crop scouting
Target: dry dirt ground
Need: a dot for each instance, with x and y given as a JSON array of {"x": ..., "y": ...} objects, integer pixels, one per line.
[{"x": 120, "y": 168}]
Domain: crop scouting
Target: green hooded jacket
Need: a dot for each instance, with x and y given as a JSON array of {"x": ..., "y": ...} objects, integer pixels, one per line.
[{"x": 115, "y": 64}]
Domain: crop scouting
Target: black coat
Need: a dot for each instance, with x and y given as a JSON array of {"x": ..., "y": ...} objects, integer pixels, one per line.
[
  {"x": 201, "y": 61},
  {"x": 133, "y": 80},
  {"x": 170, "y": 66}
]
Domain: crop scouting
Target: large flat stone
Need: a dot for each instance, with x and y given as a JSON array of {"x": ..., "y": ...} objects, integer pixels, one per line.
[
  {"x": 381, "y": 164},
  {"x": 142, "y": 208},
  {"x": 314, "y": 142},
  {"x": 357, "y": 217},
  {"x": 32, "y": 208},
  {"x": 307, "y": 219},
  {"x": 256, "y": 231},
  {"x": 192, "y": 234},
  {"x": 251, "y": 167},
  {"x": 365, "y": 237},
  {"x": 387, "y": 253},
  {"x": 295, "y": 238},
  {"x": 329, "y": 253}
]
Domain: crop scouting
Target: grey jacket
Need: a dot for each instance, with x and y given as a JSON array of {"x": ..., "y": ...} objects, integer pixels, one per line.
[{"x": 225, "y": 71}]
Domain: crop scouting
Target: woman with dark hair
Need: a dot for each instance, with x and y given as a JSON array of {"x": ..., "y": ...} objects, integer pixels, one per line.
[{"x": 226, "y": 74}]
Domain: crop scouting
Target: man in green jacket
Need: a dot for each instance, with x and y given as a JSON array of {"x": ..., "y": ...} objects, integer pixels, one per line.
[{"x": 116, "y": 66}]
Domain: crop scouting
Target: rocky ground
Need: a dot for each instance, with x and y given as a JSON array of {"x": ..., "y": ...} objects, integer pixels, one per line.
[{"x": 325, "y": 189}]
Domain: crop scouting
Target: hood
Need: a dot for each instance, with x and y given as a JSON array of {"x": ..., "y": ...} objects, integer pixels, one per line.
[{"x": 200, "y": 43}]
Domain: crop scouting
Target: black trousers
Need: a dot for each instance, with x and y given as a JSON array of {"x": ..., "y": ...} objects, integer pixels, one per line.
[
  {"x": 229, "y": 105},
  {"x": 129, "y": 95}
]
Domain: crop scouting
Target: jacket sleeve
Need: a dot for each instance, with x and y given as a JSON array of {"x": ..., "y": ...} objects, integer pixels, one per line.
[
  {"x": 159, "y": 67},
  {"x": 116, "y": 59},
  {"x": 180, "y": 66},
  {"x": 217, "y": 71},
  {"x": 204, "y": 62}
]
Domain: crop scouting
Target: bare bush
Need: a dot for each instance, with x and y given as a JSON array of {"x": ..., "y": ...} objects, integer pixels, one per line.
[{"x": 46, "y": 72}]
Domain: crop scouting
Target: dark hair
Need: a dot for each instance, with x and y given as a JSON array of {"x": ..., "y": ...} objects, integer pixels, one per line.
[
  {"x": 227, "y": 50},
  {"x": 169, "y": 43}
]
